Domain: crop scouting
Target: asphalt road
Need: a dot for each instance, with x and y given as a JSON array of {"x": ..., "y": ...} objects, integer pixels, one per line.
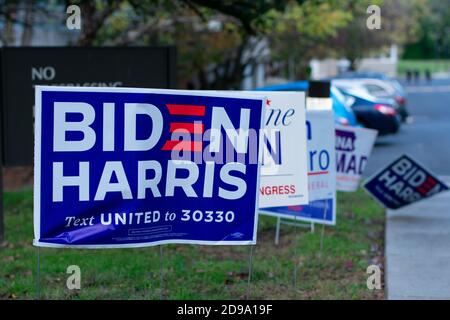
[
  {"x": 417, "y": 255},
  {"x": 427, "y": 137}
]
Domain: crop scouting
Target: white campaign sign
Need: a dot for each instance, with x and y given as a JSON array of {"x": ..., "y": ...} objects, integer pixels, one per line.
[
  {"x": 353, "y": 148},
  {"x": 321, "y": 155},
  {"x": 285, "y": 168},
  {"x": 321, "y": 173}
]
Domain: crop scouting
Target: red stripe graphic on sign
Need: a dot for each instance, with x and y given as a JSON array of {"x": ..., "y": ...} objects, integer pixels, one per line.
[
  {"x": 427, "y": 185},
  {"x": 187, "y": 127},
  {"x": 186, "y": 110},
  {"x": 317, "y": 173},
  {"x": 195, "y": 146},
  {"x": 190, "y": 127},
  {"x": 422, "y": 191}
]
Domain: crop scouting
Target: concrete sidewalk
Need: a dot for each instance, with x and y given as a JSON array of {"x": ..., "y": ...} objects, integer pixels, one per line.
[{"x": 418, "y": 249}]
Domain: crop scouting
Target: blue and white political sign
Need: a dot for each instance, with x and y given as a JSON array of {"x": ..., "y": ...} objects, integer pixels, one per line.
[
  {"x": 122, "y": 167},
  {"x": 321, "y": 173},
  {"x": 284, "y": 172},
  {"x": 353, "y": 148},
  {"x": 402, "y": 182}
]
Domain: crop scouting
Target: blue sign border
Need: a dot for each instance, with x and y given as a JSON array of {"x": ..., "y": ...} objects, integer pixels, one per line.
[{"x": 38, "y": 148}]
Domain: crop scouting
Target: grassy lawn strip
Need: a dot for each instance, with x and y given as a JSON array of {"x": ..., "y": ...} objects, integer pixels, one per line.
[
  {"x": 204, "y": 272},
  {"x": 422, "y": 65}
]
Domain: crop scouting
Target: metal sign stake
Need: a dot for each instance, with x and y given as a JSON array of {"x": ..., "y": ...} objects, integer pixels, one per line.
[
  {"x": 295, "y": 252},
  {"x": 277, "y": 231},
  {"x": 161, "y": 275},
  {"x": 323, "y": 230},
  {"x": 38, "y": 275},
  {"x": 250, "y": 269},
  {"x": 321, "y": 240}
]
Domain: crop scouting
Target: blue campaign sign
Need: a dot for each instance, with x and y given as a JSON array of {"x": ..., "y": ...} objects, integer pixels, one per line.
[
  {"x": 122, "y": 167},
  {"x": 402, "y": 182},
  {"x": 318, "y": 211}
]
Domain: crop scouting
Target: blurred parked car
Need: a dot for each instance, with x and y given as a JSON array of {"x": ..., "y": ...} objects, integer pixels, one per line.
[
  {"x": 343, "y": 113},
  {"x": 372, "y": 75},
  {"x": 378, "y": 85},
  {"x": 375, "y": 113}
]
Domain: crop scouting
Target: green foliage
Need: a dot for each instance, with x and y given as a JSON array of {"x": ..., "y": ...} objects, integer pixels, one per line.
[
  {"x": 433, "y": 30},
  {"x": 213, "y": 35},
  {"x": 301, "y": 31},
  {"x": 433, "y": 66},
  {"x": 425, "y": 48},
  {"x": 398, "y": 25},
  {"x": 250, "y": 13}
]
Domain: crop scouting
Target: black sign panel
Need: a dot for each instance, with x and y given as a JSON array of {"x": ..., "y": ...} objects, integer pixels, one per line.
[{"x": 23, "y": 68}]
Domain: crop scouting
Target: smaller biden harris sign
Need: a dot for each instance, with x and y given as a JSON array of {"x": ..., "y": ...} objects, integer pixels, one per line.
[
  {"x": 402, "y": 182},
  {"x": 122, "y": 167}
]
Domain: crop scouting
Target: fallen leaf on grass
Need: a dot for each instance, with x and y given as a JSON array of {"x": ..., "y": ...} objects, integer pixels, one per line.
[
  {"x": 54, "y": 280},
  {"x": 6, "y": 244},
  {"x": 27, "y": 273},
  {"x": 235, "y": 276},
  {"x": 348, "y": 214},
  {"x": 348, "y": 265}
]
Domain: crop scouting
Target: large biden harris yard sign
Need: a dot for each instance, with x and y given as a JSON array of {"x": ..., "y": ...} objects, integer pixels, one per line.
[{"x": 136, "y": 167}]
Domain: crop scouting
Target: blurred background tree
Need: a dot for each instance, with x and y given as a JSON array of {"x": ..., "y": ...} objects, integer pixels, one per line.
[
  {"x": 219, "y": 42},
  {"x": 398, "y": 25},
  {"x": 433, "y": 32},
  {"x": 301, "y": 32}
]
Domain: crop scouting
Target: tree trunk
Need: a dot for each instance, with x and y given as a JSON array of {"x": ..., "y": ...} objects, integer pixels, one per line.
[
  {"x": 352, "y": 66},
  {"x": 93, "y": 20},
  {"x": 27, "y": 33},
  {"x": 88, "y": 31},
  {"x": 8, "y": 31}
]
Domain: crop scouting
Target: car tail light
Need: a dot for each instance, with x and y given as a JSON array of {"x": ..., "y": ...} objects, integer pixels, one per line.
[
  {"x": 400, "y": 100},
  {"x": 385, "y": 109}
]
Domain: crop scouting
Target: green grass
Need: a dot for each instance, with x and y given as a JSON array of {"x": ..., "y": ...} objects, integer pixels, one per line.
[
  {"x": 203, "y": 272},
  {"x": 422, "y": 65}
]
